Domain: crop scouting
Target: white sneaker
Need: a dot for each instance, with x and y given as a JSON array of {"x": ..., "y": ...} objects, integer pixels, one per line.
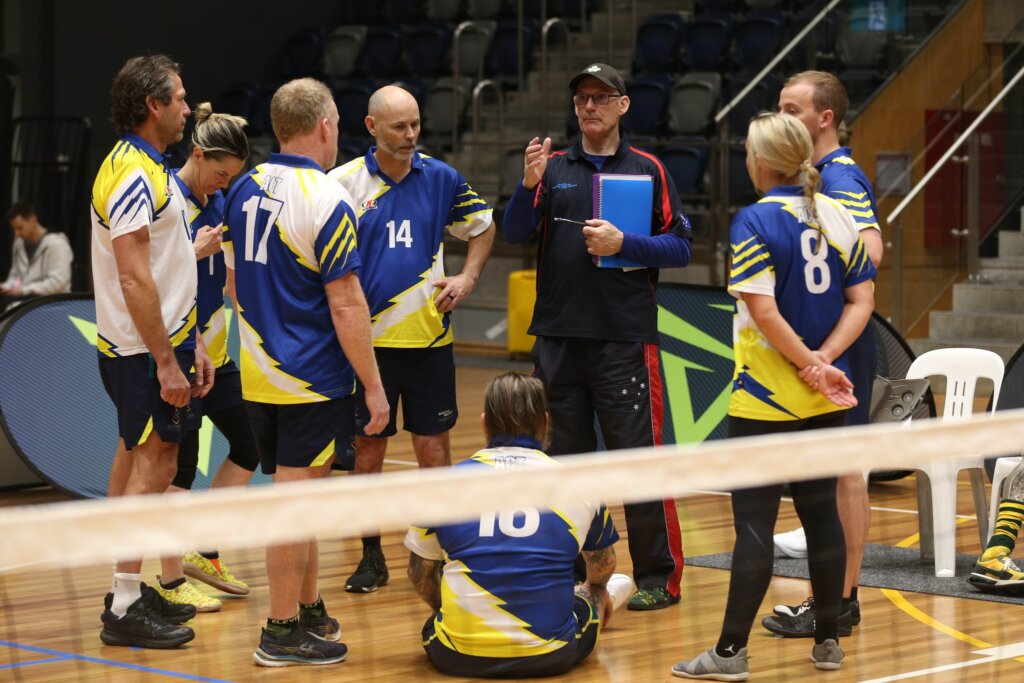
[
  {"x": 620, "y": 587},
  {"x": 792, "y": 544}
]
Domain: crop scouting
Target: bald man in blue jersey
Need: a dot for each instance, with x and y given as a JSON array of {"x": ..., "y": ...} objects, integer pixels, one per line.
[{"x": 820, "y": 101}]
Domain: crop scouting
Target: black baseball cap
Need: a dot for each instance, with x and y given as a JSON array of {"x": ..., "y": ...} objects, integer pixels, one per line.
[{"x": 602, "y": 72}]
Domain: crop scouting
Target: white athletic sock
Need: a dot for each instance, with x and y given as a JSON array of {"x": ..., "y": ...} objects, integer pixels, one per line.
[
  {"x": 113, "y": 571},
  {"x": 127, "y": 589},
  {"x": 620, "y": 587}
]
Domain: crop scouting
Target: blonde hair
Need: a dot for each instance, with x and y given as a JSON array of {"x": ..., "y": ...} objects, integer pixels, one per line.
[
  {"x": 219, "y": 134},
  {"x": 515, "y": 404},
  {"x": 782, "y": 142},
  {"x": 829, "y": 93},
  {"x": 298, "y": 106}
]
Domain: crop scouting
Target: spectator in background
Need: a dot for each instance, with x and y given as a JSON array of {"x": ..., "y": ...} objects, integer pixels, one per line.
[{"x": 40, "y": 259}]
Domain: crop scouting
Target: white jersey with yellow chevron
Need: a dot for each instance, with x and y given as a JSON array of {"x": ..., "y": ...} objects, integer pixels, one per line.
[
  {"x": 288, "y": 232},
  {"x": 507, "y": 585},
  {"x": 401, "y": 233},
  {"x": 135, "y": 190},
  {"x": 844, "y": 181},
  {"x": 776, "y": 252}
]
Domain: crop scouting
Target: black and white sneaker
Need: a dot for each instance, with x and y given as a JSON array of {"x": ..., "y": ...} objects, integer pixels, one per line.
[
  {"x": 802, "y": 625},
  {"x": 797, "y": 610},
  {"x": 297, "y": 648},
  {"x": 142, "y": 626},
  {"x": 371, "y": 574}
]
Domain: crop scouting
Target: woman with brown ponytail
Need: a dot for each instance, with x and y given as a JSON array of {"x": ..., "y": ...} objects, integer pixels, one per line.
[{"x": 803, "y": 281}]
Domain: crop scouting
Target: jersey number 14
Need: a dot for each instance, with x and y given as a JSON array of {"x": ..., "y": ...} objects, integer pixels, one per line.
[{"x": 402, "y": 234}]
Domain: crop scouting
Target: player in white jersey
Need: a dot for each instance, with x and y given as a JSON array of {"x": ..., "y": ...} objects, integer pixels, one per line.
[
  {"x": 144, "y": 276},
  {"x": 290, "y": 249},
  {"x": 406, "y": 202}
]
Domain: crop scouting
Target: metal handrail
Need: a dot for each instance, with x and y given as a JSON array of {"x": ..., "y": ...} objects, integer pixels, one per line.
[
  {"x": 477, "y": 89},
  {"x": 456, "y": 100},
  {"x": 548, "y": 25},
  {"x": 771, "y": 65},
  {"x": 973, "y": 158},
  {"x": 916, "y": 190}
]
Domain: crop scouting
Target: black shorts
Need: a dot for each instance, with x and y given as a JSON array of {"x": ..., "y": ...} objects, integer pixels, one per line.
[
  {"x": 227, "y": 390},
  {"x": 424, "y": 379},
  {"x": 132, "y": 385},
  {"x": 300, "y": 434},
  {"x": 551, "y": 664}
]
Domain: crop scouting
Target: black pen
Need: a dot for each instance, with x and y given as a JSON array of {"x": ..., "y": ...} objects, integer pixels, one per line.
[{"x": 569, "y": 220}]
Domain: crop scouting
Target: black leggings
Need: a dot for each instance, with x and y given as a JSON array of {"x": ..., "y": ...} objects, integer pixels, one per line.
[
  {"x": 233, "y": 423},
  {"x": 755, "y": 511}
]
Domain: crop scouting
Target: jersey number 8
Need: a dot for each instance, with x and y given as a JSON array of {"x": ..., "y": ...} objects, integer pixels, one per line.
[
  {"x": 528, "y": 525},
  {"x": 814, "y": 248}
]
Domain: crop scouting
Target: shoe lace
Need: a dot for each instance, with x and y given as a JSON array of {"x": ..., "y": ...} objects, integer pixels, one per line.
[
  {"x": 369, "y": 564},
  {"x": 1009, "y": 564}
]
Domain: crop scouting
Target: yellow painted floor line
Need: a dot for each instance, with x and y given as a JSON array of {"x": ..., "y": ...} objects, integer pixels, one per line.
[{"x": 904, "y": 605}]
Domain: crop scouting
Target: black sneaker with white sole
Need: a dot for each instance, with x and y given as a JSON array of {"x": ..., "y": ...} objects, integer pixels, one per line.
[
  {"x": 371, "y": 574},
  {"x": 797, "y": 610},
  {"x": 802, "y": 625},
  {"x": 142, "y": 626},
  {"x": 298, "y": 647},
  {"x": 172, "y": 612}
]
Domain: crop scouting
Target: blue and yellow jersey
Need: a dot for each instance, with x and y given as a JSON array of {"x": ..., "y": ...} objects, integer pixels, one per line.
[
  {"x": 135, "y": 190},
  {"x": 776, "y": 252},
  {"x": 288, "y": 232},
  {"x": 843, "y": 181},
  {"x": 401, "y": 233},
  {"x": 211, "y": 313},
  {"x": 507, "y": 586}
]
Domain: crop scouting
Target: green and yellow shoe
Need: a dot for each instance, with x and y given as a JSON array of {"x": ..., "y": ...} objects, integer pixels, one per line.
[
  {"x": 997, "y": 575},
  {"x": 649, "y": 598},
  {"x": 213, "y": 573}
]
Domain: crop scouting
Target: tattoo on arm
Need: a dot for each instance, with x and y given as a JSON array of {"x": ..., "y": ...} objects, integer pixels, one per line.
[
  {"x": 426, "y": 579},
  {"x": 600, "y": 564}
]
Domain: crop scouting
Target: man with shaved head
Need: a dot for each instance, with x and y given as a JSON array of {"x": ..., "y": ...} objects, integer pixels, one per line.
[{"x": 405, "y": 201}]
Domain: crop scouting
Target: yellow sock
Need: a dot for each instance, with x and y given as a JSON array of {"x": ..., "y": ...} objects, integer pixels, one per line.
[{"x": 1004, "y": 536}]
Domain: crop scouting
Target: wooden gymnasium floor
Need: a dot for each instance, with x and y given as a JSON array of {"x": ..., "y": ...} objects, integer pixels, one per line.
[{"x": 50, "y": 618}]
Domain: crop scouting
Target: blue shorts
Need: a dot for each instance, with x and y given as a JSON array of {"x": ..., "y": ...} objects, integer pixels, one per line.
[
  {"x": 132, "y": 385},
  {"x": 560, "y": 661},
  {"x": 301, "y": 434},
  {"x": 424, "y": 380}
]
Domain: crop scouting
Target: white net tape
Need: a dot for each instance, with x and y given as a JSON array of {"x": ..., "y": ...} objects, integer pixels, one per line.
[{"x": 84, "y": 532}]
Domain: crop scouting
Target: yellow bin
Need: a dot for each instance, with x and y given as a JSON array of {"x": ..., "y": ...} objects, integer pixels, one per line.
[{"x": 522, "y": 295}]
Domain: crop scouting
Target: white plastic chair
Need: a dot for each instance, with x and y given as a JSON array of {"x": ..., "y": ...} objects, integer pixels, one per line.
[
  {"x": 1003, "y": 468},
  {"x": 936, "y": 489}
]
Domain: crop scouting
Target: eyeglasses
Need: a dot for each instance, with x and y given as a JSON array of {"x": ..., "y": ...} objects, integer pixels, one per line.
[{"x": 599, "y": 99}]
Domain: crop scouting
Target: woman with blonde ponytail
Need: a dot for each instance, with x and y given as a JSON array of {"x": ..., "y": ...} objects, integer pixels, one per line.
[
  {"x": 218, "y": 151},
  {"x": 803, "y": 283}
]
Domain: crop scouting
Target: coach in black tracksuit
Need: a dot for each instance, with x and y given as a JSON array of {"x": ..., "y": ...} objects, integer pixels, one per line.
[{"x": 596, "y": 328}]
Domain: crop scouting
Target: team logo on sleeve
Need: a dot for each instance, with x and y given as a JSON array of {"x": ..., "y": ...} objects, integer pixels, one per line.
[{"x": 369, "y": 204}]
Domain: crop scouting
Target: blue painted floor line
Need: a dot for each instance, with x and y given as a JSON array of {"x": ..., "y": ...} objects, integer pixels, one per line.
[
  {"x": 18, "y": 665},
  {"x": 65, "y": 656}
]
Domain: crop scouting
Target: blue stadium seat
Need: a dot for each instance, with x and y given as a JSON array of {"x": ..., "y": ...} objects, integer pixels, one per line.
[
  {"x": 341, "y": 51},
  {"x": 741, "y": 190},
  {"x": 471, "y": 43},
  {"x": 686, "y": 165},
  {"x": 502, "y": 60},
  {"x": 758, "y": 39},
  {"x": 351, "y": 98},
  {"x": 304, "y": 53},
  {"x": 648, "y": 97},
  {"x": 658, "y": 42},
  {"x": 764, "y": 97},
  {"x": 402, "y": 11},
  {"x": 426, "y": 50},
  {"x": 707, "y": 43},
  {"x": 237, "y": 98},
  {"x": 382, "y": 52},
  {"x": 417, "y": 87}
]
